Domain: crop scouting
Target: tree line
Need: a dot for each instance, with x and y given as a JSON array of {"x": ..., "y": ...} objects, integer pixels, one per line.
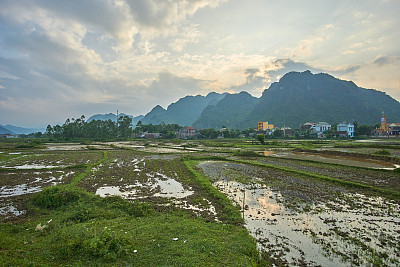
[
  {"x": 95, "y": 129},
  {"x": 122, "y": 129}
]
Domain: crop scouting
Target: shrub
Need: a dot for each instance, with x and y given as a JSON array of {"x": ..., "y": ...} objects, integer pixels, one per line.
[
  {"x": 383, "y": 152},
  {"x": 135, "y": 209},
  {"x": 246, "y": 153},
  {"x": 56, "y": 196}
]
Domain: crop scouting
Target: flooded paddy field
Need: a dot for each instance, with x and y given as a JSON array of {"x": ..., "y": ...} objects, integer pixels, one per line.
[
  {"x": 159, "y": 179},
  {"x": 28, "y": 172},
  {"x": 300, "y": 221},
  {"x": 383, "y": 178},
  {"x": 328, "y": 156},
  {"x": 43, "y": 159},
  {"x": 296, "y": 218}
]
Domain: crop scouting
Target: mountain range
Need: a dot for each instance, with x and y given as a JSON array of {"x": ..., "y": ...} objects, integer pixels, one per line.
[
  {"x": 297, "y": 98},
  {"x": 113, "y": 117},
  {"x": 11, "y": 129}
]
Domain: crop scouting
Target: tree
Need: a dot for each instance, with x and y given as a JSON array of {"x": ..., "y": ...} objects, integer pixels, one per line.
[
  {"x": 124, "y": 126},
  {"x": 363, "y": 130},
  {"x": 210, "y": 133},
  {"x": 261, "y": 138},
  {"x": 49, "y": 131},
  {"x": 277, "y": 133}
]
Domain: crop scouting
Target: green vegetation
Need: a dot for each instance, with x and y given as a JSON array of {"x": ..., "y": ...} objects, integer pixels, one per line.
[
  {"x": 66, "y": 224},
  {"x": 229, "y": 213},
  {"x": 246, "y": 153},
  {"x": 95, "y": 129},
  {"x": 74, "y": 227},
  {"x": 382, "y": 152}
]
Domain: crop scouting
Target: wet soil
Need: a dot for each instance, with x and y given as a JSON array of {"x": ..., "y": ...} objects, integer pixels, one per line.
[
  {"x": 159, "y": 179},
  {"x": 380, "y": 178},
  {"x": 308, "y": 222},
  {"x": 296, "y": 219}
]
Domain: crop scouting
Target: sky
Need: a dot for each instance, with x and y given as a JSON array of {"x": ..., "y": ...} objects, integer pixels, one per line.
[{"x": 63, "y": 59}]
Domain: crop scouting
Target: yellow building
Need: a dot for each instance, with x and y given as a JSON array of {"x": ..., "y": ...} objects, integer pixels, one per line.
[{"x": 264, "y": 126}]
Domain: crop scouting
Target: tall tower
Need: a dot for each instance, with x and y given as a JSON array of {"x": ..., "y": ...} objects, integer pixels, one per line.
[{"x": 383, "y": 121}]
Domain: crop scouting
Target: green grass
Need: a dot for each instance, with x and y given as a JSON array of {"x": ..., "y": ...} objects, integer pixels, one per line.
[
  {"x": 77, "y": 179},
  {"x": 246, "y": 153},
  {"x": 227, "y": 212},
  {"x": 84, "y": 229},
  {"x": 382, "y": 152}
]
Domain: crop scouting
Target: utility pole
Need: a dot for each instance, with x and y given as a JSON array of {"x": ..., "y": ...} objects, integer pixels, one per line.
[
  {"x": 117, "y": 123},
  {"x": 284, "y": 130}
]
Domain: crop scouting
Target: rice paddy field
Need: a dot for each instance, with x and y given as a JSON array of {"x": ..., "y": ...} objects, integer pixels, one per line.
[{"x": 200, "y": 203}]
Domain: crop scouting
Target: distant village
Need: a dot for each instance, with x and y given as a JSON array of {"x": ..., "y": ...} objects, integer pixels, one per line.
[
  {"x": 307, "y": 130},
  {"x": 320, "y": 130}
]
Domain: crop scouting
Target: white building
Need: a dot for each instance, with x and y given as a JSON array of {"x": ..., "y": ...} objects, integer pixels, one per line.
[
  {"x": 345, "y": 129},
  {"x": 321, "y": 127}
]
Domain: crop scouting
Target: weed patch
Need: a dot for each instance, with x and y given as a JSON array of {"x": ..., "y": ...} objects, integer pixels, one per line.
[{"x": 227, "y": 212}]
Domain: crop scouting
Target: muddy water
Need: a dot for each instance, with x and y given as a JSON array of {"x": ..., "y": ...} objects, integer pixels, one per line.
[
  {"x": 350, "y": 230},
  {"x": 32, "y": 166},
  {"x": 348, "y": 161},
  {"x": 166, "y": 187}
]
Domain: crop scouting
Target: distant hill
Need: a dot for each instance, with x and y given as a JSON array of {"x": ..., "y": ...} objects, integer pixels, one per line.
[
  {"x": 21, "y": 130},
  {"x": 301, "y": 97},
  {"x": 113, "y": 117},
  {"x": 231, "y": 111},
  {"x": 297, "y": 98},
  {"x": 3, "y": 130},
  {"x": 183, "y": 112}
]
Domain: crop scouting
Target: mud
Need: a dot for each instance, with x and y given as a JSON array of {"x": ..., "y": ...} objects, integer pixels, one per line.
[
  {"x": 335, "y": 159},
  {"x": 345, "y": 229}
]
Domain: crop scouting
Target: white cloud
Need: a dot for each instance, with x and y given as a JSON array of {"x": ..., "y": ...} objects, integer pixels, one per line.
[{"x": 97, "y": 55}]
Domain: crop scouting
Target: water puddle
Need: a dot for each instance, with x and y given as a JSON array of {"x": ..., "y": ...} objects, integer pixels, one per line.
[
  {"x": 198, "y": 209},
  {"x": 353, "y": 230},
  {"x": 35, "y": 184},
  {"x": 11, "y": 209},
  {"x": 21, "y": 189},
  {"x": 165, "y": 187},
  {"x": 32, "y": 166},
  {"x": 65, "y": 147}
]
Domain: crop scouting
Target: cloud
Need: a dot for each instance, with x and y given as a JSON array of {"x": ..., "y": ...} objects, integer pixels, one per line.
[
  {"x": 168, "y": 88},
  {"x": 97, "y": 56},
  {"x": 385, "y": 60},
  {"x": 277, "y": 68}
]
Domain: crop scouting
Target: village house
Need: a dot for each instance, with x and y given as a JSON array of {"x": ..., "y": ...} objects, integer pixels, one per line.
[
  {"x": 394, "y": 129},
  {"x": 320, "y": 128},
  {"x": 307, "y": 125},
  {"x": 287, "y": 131},
  {"x": 148, "y": 135},
  {"x": 264, "y": 126},
  {"x": 386, "y": 129},
  {"x": 8, "y": 136},
  {"x": 345, "y": 129},
  {"x": 186, "y": 132}
]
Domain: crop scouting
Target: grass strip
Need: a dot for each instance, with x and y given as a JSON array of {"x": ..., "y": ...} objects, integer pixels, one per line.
[
  {"x": 228, "y": 212},
  {"x": 78, "y": 178}
]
